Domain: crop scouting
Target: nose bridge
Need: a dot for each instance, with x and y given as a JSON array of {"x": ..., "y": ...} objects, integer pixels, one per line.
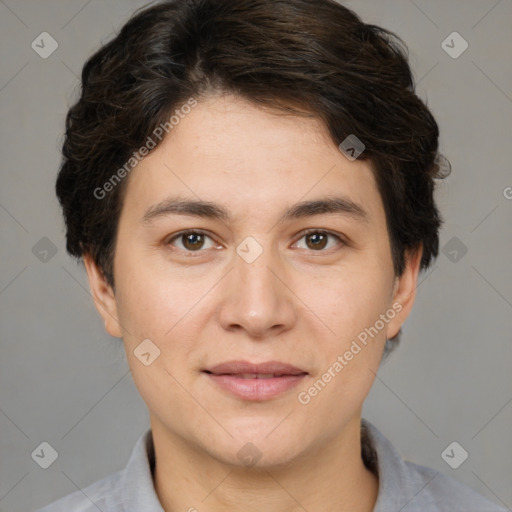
[{"x": 258, "y": 299}]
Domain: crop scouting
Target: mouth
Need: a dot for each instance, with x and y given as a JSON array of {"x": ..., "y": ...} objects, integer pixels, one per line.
[{"x": 250, "y": 381}]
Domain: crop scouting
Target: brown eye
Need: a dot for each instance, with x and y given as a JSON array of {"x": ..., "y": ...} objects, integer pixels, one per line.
[
  {"x": 316, "y": 240},
  {"x": 319, "y": 240},
  {"x": 192, "y": 241}
]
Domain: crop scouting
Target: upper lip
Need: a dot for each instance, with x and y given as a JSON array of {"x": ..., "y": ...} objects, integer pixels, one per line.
[{"x": 245, "y": 367}]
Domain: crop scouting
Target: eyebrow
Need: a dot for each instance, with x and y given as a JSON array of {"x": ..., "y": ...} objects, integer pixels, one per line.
[{"x": 209, "y": 210}]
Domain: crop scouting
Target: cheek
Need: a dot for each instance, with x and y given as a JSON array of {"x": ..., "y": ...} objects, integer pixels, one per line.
[
  {"x": 350, "y": 301},
  {"x": 149, "y": 303},
  {"x": 349, "y": 358},
  {"x": 169, "y": 310},
  {"x": 150, "y": 307}
]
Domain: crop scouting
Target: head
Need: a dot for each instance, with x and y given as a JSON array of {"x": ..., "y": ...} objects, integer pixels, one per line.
[{"x": 227, "y": 103}]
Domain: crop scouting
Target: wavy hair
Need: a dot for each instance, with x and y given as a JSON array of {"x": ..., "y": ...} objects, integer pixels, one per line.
[{"x": 303, "y": 57}]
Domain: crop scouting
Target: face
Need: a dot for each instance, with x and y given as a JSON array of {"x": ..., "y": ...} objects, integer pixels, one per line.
[{"x": 308, "y": 290}]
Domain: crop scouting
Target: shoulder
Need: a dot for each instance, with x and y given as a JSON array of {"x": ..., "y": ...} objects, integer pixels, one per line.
[
  {"x": 131, "y": 487},
  {"x": 409, "y": 487},
  {"x": 440, "y": 492},
  {"x": 103, "y": 494}
]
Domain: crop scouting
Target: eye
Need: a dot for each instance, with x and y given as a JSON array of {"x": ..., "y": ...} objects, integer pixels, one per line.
[
  {"x": 191, "y": 240},
  {"x": 194, "y": 240},
  {"x": 317, "y": 240}
]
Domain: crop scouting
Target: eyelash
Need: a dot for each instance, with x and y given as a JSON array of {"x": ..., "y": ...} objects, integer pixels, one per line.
[{"x": 310, "y": 231}]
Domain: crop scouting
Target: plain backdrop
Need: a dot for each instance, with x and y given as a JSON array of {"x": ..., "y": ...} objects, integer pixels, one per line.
[{"x": 66, "y": 382}]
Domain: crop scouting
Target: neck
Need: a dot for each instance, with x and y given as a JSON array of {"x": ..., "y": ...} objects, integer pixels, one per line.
[{"x": 331, "y": 477}]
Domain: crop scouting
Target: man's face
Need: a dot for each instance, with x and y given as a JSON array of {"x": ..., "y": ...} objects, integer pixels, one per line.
[{"x": 253, "y": 286}]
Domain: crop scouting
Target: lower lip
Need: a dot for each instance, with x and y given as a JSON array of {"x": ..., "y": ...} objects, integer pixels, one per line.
[{"x": 256, "y": 389}]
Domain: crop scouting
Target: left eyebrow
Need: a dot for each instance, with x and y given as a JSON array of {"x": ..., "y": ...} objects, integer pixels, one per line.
[
  {"x": 206, "y": 209},
  {"x": 328, "y": 205}
]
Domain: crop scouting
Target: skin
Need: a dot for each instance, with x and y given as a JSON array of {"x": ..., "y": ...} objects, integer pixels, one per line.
[{"x": 295, "y": 303}]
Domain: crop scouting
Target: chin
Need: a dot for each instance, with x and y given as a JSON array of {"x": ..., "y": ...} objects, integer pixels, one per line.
[
  {"x": 260, "y": 444},
  {"x": 258, "y": 456}
]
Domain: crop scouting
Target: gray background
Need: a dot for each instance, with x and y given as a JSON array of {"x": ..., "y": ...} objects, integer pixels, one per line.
[{"x": 65, "y": 381}]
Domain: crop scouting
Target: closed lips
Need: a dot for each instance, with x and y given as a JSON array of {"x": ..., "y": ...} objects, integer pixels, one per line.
[
  {"x": 257, "y": 375},
  {"x": 255, "y": 381},
  {"x": 247, "y": 370}
]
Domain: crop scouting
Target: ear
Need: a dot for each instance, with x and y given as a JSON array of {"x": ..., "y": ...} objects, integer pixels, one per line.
[
  {"x": 103, "y": 295},
  {"x": 404, "y": 291}
]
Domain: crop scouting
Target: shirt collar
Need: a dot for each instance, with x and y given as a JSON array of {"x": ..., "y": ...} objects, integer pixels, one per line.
[
  {"x": 378, "y": 454},
  {"x": 137, "y": 485},
  {"x": 399, "y": 483}
]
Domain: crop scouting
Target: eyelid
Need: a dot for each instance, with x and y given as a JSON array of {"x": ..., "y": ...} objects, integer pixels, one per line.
[
  {"x": 342, "y": 241},
  {"x": 327, "y": 232},
  {"x": 191, "y": 231}
]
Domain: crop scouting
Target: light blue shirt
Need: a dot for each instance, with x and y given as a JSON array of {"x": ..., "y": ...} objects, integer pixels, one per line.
[{"x": 403, "y": 486}]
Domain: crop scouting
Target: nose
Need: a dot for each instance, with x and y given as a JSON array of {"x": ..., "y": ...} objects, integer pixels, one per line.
[{"x": 258, "y": 297}]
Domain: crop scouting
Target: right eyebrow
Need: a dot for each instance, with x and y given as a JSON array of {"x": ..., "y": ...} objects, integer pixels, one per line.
[{"x": 179, "y": 206}]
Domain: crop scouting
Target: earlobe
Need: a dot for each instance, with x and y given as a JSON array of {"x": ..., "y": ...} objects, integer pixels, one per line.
[
  {"x": 404, "y": 291},
  {"x": 103, "y": 295}
]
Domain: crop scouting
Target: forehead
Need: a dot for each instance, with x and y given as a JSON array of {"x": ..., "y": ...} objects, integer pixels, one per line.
[{"x": 233, "y": 153}]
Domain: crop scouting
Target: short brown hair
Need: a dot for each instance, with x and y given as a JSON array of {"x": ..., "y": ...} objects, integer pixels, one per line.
[{"x": 315, "y": 54}]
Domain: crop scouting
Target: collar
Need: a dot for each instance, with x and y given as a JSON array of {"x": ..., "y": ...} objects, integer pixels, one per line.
[{"x": 398, "y": 485}]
